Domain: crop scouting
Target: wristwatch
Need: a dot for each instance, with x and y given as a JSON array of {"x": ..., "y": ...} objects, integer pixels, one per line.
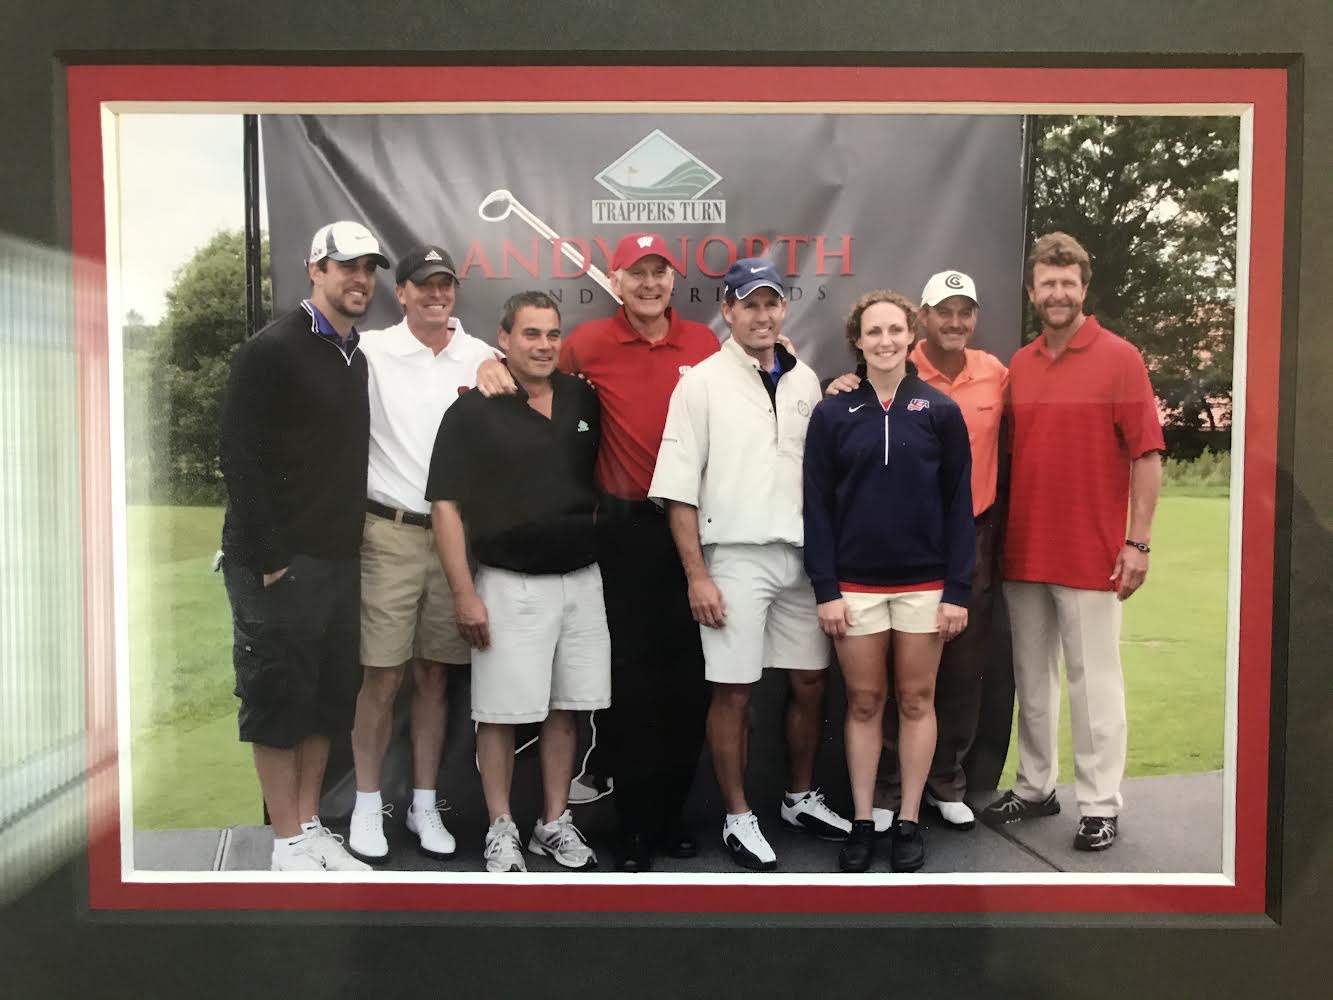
[{"x": 1141, "y": 546}]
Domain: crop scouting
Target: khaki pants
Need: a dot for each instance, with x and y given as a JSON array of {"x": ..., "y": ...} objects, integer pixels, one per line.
[
  {"x": 1085, "y": 624},
  {"x": 407, "y": 609}
]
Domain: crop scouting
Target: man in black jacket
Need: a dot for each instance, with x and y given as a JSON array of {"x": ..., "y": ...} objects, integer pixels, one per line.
[{"x": 295, "y": 428}]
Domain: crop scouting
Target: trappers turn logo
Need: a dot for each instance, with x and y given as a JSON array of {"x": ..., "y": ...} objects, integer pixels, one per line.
[{"x": 658, "y": 181}]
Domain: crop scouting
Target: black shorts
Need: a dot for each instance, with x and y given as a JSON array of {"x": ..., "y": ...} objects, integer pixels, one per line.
[{"x": 296, "y": 649}]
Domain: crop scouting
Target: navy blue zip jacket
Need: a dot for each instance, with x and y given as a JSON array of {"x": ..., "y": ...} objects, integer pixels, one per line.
[{"x": 888, "y": 494}]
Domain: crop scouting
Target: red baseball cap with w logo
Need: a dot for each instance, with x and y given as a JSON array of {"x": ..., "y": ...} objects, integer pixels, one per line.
[{"x": 636, "y": 246}]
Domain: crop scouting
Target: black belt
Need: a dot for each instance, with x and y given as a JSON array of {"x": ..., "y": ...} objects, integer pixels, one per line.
[
  {"x": 609, "y": 503},
  {"x": 400, "y": 516}
]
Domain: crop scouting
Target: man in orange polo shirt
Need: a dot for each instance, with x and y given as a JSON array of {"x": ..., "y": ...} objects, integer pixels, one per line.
[
  {"x": 977, "y": 382},
  {"x": 651, "y": 736},
  {"x": 1087, "y": 443}
]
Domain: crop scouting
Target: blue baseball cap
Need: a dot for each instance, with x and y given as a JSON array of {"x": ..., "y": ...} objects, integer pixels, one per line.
[{"x": 749, "y": 273}]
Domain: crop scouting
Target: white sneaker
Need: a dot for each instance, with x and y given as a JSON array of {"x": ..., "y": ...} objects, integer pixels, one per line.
[
  {"x": 562, "y": 840},
  {"x": 365, "y": 836},
  {"x": 504, "y": 852},
  {"x": 295, "y": 858},
  {"x": 589, "y": 788},
  {"x": 954, "y": 814},
  {"x": 435, "y": 840},
  {"x": 327, "y": 846},
  {"x": 883, "y": 821},
  {"x": 743, "y": 838},
  {"x": 808, "y": 812}
]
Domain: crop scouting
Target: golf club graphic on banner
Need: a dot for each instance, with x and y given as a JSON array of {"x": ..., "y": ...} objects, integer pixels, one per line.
[
  {"x": 840, "y": 204},
  {"x": 500, "y": 204}
]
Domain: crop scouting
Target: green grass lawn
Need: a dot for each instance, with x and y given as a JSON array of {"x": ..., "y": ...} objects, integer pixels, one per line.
[{"x": 190, "y": 770}]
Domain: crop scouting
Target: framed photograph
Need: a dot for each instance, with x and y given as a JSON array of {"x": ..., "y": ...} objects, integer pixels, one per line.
[
  {"x": 100, "y": 894},
  {"x": 561, "y": 161}
]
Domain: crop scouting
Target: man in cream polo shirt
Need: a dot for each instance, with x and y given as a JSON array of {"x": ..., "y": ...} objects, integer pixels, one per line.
[
  {"x": 417, "y": 369},
  {"x": 735, "y": 432}
]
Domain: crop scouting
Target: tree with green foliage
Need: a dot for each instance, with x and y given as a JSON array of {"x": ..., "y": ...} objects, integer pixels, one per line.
[
  {"x": 1154, "y": 201},
  {"x": 187, "y": 362}
]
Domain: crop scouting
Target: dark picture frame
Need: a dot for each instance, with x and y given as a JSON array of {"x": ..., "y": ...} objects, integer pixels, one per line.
[
  {"x": 1257, "y": 95},
  {"x": 54, "y": 944}
]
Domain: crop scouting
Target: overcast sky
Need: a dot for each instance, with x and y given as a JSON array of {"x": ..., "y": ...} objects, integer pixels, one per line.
[{"x": 181, "y": 181}]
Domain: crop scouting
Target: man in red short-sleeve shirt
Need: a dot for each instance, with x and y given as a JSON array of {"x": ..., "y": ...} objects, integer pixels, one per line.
[
  {"x": 1087, "y": 445},
  {"x": 649, "y": 740}
]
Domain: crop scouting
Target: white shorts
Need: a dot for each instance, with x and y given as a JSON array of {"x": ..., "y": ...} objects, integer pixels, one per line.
[
  {"x": 549, "y": 645},
  {"x": 770, "y": 614},
  {"x": 902, "y": 611}
]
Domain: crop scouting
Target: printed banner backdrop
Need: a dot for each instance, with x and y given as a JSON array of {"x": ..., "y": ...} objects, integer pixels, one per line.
[{"x": 841, "y": 203}]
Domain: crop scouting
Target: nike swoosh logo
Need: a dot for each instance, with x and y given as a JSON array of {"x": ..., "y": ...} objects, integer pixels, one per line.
[
  {"x": 853, "y": 409},
  {"x": 755, "y": 270}
]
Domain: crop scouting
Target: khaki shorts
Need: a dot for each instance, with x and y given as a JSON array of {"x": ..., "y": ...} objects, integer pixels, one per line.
[
  {"x": 407, "y": 609},
  {"x": 771, "y": 619},
  {"x": 905, "y": 611},
  {"x": 549, "y": 645}
]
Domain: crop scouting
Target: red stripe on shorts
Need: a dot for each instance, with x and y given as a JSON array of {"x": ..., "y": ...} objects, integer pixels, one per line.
[{"x": 907, "y": 588}]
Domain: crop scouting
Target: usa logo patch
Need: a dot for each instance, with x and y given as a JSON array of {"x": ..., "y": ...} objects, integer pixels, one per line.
[{"x": 918, "y": 404}]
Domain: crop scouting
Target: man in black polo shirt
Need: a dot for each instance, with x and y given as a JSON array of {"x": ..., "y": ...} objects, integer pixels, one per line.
[
  {"x": 295, "y": 426},
  {"x": 512, "y": 476}
]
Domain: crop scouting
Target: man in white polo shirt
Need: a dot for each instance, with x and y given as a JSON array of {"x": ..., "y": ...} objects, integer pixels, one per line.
[
  {"x": 735, "y": 434},
  {"x": 417, "y": 369}
]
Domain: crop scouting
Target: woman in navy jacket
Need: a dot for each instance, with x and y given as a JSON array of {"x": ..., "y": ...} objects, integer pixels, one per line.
[{"x": 889, "y": 547}]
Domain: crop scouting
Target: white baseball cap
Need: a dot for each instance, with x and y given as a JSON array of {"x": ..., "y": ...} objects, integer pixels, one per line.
[
  {"x": 345, "y": 241},
  {"x": 946, "y": 283}
]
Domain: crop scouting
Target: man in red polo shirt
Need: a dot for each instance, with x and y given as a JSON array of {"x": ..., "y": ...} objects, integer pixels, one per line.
[
  {"x": 978, "y": 382},
  {"x": 650, "y": 738},
  {"x": 1087, "y": 445}
]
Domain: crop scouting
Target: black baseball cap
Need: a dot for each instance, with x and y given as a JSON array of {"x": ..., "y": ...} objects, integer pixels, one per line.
[{"x": 420, "y": 264}]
